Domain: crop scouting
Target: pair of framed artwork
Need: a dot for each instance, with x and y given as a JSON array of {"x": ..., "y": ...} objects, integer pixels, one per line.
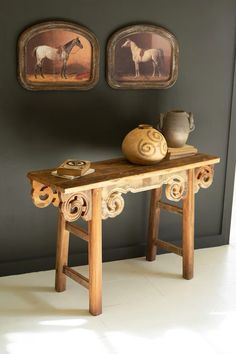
[{"x": 60, "y": 55}]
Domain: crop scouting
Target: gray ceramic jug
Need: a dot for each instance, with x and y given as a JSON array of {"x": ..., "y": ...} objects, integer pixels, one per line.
[{"x": 176, "y": 126}]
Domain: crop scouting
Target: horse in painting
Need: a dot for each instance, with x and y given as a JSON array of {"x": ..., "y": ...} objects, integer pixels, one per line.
[
  {"x": 139, "y": 55},
  {"x": 61, "y": 53}
]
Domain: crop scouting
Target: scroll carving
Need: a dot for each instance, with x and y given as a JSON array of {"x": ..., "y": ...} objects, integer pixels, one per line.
[
  {"x": 44, "y": 195},
  {"x": 76, "y": 205},
  {"x": 73, "y": 206},
  {"x": 175, "y": 188},
  {"x": 203, "y": 177},
  {"x": 113, "y": 203}
]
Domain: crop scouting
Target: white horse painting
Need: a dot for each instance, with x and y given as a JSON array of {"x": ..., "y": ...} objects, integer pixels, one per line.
[
  {"x": 140, "y": 55},
  {"x": 60, "y": 54}
]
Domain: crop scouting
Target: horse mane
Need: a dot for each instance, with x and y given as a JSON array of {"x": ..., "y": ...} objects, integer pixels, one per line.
[
  {"x": 65, "y": 46},
  {"x": 60, "y": 49},
  {"x": 34, "y": 52},
  {"x": 134, "y": 43}
]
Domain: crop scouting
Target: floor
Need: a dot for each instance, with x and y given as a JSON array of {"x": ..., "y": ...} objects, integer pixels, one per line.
[{"x": 147, "y": 307}]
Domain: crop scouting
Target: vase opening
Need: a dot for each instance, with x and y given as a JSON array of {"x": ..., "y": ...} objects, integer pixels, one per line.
[{"x": 144, "y": 126}]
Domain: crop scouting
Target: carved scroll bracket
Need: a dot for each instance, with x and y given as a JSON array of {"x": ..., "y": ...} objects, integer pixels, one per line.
[
  {"x": 113, "y": 202},
  {"x": 203, "y": 177},
  {"x": 73, "y": 206},
  {"x": 176, "y": 187},
  {"x": 76, "y": 205},
  {"x": 44, "y": 195}
]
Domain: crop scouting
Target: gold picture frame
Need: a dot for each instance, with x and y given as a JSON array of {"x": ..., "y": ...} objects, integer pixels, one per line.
[
  {"x": 58, "y": 55},
  {"x": 142, "y": 57}
]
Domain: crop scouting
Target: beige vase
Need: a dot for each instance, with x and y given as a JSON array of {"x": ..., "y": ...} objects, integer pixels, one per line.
[{"x": 144, "y": 145}]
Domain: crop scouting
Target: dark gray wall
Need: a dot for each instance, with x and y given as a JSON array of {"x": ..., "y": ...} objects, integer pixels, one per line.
[{"x": 41, "y": 129}]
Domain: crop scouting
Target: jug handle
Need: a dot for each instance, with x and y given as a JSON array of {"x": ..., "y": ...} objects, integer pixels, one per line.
[
  {"x": 160, "y": 124},
  {"x": 191, "y": 122}
]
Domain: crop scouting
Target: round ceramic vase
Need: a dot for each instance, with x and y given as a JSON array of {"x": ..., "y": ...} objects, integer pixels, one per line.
[
  {"x": 144, "y": 145},
  {"x": 176, "y": 126}
]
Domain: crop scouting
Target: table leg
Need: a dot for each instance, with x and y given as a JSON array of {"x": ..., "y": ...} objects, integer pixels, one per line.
[
  {"x": 188, "y": 228},
  {"x": 95, "y": 255},
  {"x": 62, "y": 253},
  {"x": 154, "y": 221}
]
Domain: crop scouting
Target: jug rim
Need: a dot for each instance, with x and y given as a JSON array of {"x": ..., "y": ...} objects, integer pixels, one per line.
[{"x": 178, "y": 111}]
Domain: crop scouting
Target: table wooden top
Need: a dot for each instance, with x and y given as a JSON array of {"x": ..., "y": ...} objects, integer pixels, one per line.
[{"x": 108, "y": 172}]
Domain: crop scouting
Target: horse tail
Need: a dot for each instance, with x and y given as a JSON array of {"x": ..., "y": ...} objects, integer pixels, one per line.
[{"x": 161, "y": 57}]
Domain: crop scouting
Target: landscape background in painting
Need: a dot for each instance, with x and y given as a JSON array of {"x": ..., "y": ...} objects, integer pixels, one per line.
[
  {"x": 124, "y": 69},
  {"x": 79, "y": 64}
]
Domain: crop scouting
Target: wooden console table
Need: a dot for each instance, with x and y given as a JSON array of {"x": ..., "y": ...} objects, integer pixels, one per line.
[{"x": 98, "y": 196}]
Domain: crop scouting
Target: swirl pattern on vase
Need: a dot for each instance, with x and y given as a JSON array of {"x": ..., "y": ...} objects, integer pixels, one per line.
[
  {"x": 144, "y": 145},
  {"x": 146, "y": 148}
]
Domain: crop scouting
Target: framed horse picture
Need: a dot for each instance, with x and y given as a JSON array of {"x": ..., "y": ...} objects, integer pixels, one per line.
[
  {"x": 142, "y": 57},
  {"x": 58, "y": 55}
]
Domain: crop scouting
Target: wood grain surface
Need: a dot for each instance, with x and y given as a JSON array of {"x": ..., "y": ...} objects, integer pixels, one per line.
[{"x": 107, "y": 172}]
